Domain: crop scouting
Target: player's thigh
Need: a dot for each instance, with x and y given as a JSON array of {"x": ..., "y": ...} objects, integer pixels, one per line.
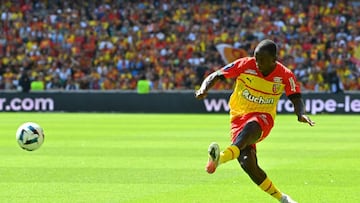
[
  {"x": 248, "y": 135},
  {"x": 250, "y": 127}
]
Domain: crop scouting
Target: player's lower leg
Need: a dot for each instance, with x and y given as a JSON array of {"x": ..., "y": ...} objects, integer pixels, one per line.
[
  {"x": 249, "y": 163},
  {"x": 268, "y": 187},
  {"x": 230, "y": 153}
]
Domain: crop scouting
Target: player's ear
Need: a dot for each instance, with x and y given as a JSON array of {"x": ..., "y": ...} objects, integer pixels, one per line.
[{"x": 274, "y": 59}]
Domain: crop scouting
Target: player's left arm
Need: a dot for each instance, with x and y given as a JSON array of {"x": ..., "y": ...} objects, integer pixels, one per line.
[
  {"x": 293, "y": 92},
  {"x": 299, "y": 108}
]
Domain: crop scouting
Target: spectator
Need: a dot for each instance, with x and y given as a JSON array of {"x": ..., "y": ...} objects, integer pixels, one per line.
[
  {"x": 54, "y": 83},
  {"x": 143, "y": 85},
  {"x": 333, "y": 79},
  {"x": 25, "y": 81},
  {"x": 71, "y": 84},
  {"x": 38, "y": 83}
]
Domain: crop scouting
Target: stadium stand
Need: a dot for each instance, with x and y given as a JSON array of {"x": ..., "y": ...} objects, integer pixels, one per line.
[{"x": 110, "y": 44}]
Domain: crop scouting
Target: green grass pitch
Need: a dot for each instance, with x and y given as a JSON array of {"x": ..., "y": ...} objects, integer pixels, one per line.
[{"x": 160, "y": 158}]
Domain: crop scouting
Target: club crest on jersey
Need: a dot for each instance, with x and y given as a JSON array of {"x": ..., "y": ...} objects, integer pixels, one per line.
[{"x": 276, "y": 88}]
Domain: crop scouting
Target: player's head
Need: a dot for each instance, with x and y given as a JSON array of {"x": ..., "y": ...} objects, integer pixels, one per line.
[{"x": 265, "y": 55}]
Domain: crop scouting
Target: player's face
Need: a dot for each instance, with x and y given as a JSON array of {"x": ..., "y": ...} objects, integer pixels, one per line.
[{"x": 264, "y": 61}]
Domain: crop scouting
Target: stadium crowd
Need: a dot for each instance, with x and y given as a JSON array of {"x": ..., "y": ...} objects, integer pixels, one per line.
[{"x": 111, "y": 44}]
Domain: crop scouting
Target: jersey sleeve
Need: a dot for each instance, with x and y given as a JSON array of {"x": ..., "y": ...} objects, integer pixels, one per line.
[
  {"x": 233, "y": 69},
  {"x": 291, "y": 84}
]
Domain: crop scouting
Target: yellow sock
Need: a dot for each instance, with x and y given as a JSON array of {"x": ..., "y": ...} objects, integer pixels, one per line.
[
  {"x": 230, "y": 153},
  {"x": 270, "y": 188}
]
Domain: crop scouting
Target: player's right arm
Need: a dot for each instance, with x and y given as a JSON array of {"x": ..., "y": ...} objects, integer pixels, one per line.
[
  {"x": 208, "y": 82},
  {"x": 231, "y": 70}
]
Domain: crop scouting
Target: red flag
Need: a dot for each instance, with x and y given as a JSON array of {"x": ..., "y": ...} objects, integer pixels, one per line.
[{"x": 229, "y": 53}]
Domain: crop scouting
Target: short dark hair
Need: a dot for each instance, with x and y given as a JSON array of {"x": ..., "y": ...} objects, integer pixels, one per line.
[{"x": 267, "y": 45}]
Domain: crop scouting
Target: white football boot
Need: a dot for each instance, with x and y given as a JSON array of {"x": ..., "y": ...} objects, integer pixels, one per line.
[
  {"x": 286, "y": 199},
  {"x": 214, "y": 155}
]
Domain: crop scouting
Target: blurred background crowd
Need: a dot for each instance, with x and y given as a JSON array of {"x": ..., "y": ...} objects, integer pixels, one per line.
[{"x": 112, "y": 44}]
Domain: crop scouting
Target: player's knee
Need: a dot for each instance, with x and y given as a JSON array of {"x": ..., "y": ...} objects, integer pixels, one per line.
[{"x": 245, "y": 162}]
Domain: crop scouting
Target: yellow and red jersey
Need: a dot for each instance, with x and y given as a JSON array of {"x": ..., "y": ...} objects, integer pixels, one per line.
[{"x": 254, "y": 92}]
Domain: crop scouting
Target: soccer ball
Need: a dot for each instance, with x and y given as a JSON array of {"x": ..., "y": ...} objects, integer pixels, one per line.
[{"x": 30, "y": 136}]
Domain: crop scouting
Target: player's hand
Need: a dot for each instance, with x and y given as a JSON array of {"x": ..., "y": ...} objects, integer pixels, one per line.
[
  {"x": 200, "y": 94},
  {"x": 306, "y": 119}
]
